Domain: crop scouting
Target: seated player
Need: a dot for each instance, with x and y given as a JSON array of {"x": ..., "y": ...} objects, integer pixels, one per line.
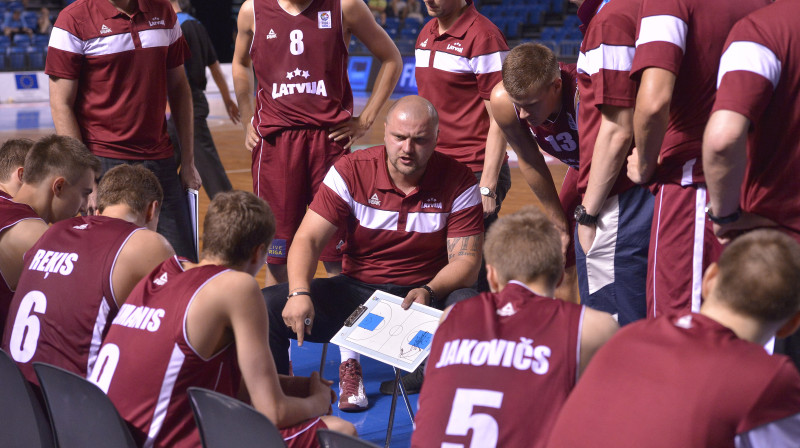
[
  {"x": 79, "y": 273},
  {"x": 12, "y": 160},
  {"x": 57, "y": 179},
  {"x": 205, "y": 325},
  {"x": 535, "y": 108},
  {"x": 701, "y": 379},
  {"x": 414, "y": 223},
  {"x": 503, "y": 363}
]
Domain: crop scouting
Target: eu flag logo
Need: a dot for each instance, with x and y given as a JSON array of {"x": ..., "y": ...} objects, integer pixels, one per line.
[{"x": 26, "y": 82}]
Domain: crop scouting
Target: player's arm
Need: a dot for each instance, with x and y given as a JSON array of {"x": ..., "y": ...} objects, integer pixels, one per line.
[
  {"x": 531, "y": 162},
  {"x": 493, "y": 160},
  {"x": 219, "y": 80},
  {"x": 597, "y": 329},
  {"x": 236, "y": 304},
  {"x": 63, "y": 92},
  {"x": 301, "y": 264},
  {"x": 242, "y": 70},
  {"x": 610, "y": 150},
  {"x": 180, "y": 104},
  {"x": 464, "y": 261},
  {"x": 143, "y": 251},
  {"x": 650, "y": 120},
  {"x": 359, "y": 21},
  {"x": 14, "y": 242}
]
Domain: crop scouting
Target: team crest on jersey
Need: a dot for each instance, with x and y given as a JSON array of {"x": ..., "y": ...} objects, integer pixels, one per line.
[
  {"x": 157, "y": 21},
  {"x": 432, "y": 203},
  {"x": 161, "y": 281},
  {"x": 507, "y": 310},
  {"x": 455, "y": 46},
  {"x": 339, "y": 246},
  {"x": 104, "y": 29},
  {"x": 297, "y": 72},
  {"x": 374, "y": 200},
  {"x": 324, "y": 19},
  {"x": 271, "y": 34}
]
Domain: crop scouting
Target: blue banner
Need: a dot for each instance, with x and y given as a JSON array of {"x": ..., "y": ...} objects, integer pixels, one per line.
[{"x": 26, "y": 82}]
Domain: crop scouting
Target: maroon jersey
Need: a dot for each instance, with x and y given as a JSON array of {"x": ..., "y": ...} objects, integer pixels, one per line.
[
  {"x": 604, "y": 64},
  {"x": 146, "y": 351},
  {"x": 759, "y": 78},
  {"x": 686, "y": 37},
  {"x": 120, "y": 64},
  {"x": 456, "y": 71},
  {"x": 559, "y": 138},
  {"x": 66, "y": 287},
  {"x": 484, "y": 351},
  {"x": 300, "y": 64},
  {"x": 680, "y": 381},
  {"x": 393, "y": 237},
  {"x": 10, "y": 213}
]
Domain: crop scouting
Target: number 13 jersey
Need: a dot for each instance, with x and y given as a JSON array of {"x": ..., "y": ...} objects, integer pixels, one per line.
[{"x": 300, "y": 63}]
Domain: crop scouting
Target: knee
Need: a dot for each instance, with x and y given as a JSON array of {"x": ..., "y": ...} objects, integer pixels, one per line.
[{"x": 340, "y": 425}]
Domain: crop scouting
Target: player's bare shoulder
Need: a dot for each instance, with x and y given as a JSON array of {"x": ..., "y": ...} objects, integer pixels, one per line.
[
  {"x": 234, "y": 287},
  {"x": 246, "y": 18}
]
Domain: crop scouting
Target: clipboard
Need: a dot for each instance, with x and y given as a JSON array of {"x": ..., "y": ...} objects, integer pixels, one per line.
[{"x": 382, "y": 330}]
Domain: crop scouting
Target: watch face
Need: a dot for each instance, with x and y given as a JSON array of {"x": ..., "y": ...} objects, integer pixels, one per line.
[
  {"x": 579, "y": 212},
  {"x": 485, "y": 191}
]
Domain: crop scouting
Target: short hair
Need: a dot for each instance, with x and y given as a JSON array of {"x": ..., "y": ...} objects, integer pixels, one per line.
[
  {"x": 759, "y": 275},
  {"x": 58, "y": 155},
  {"x": 430, "y": 109},
  {"x": 133, "y": 185},
  {"x": 529, "y": 65},
  {"x": 525, "y": 246},
  {"x": 12, "y": 156},
  {"x": 236, "y": 222}
]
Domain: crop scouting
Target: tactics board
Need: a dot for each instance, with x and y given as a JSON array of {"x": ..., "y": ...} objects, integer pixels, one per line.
[{"x": 382, "y": 330}]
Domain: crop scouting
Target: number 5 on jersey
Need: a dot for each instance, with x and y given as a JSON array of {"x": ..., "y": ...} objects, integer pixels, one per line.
[{"x": 484, "y": 427}]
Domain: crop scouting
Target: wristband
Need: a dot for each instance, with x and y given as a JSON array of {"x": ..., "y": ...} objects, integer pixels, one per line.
[
  {"x": 430, "y": 292},
  {"x": 299, "y": 293},
  {"x": 723, "y": 219}
]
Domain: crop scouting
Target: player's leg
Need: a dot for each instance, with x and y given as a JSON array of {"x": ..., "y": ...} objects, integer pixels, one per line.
[
  {"x": 569, "y": 198},
  {"x": 630, "y": 255},
  {"x": 206, "y": 158}
]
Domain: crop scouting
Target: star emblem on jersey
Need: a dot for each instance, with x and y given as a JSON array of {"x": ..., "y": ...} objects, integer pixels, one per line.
[
  {"x": 161, "y": 281},
  {"x": 271, "y": 34},
  {"x": 507, "y": 310},
  {"x": 297, "y": 72},
  {"x": 374, "y": 200},
  {"x": 104, "y": 29}
]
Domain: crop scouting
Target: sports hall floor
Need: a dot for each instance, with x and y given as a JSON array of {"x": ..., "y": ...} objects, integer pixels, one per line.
[{"x": 32, "y": 120}]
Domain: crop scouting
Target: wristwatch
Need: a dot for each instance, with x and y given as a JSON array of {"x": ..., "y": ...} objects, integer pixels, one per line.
[
  {"x": 584, "y": 218},
  {"x": 723, "y": 219},
  {"x": 486, "y": 191}
]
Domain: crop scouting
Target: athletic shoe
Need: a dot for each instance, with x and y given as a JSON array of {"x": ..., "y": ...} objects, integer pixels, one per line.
[
  {"x": 351, "y": 387},
  {"x": 412, "y": 382}
]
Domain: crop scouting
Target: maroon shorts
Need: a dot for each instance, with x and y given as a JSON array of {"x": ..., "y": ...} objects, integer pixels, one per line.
[
  {"x": 682, "y": 246},
  {"x": 288, "y": 167},
  {"x": 570, "y": 199},
  {"x": 303, "y": 435}
]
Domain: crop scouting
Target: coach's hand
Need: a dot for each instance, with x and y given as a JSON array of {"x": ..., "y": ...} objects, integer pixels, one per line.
[
  {"x": 190, "y": 178},
  {"x": 351, "y": 129},
  {"x": 419, "y": 295},
  {"x": 489, "y": 205},
  {"x": 295, "y": 313},
  {"x": 586, "y": 234},
  {"x": 250, "y": 136},
  {"x": 748, "y": 221}
]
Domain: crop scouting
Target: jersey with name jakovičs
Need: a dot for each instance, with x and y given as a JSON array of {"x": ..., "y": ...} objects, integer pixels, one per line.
[
  {"x": 66, "y": 288},
  {"x": 501, "y": 366},
  {"x": 300, "y": 63},
  {"x": 146, "y": 363}
]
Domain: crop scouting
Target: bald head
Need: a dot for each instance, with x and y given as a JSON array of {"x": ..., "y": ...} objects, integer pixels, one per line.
[{"x": 415, "y": 108}]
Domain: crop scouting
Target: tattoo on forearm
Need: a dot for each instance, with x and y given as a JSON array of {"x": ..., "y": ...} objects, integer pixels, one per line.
[{"x": 467, "y": 246}]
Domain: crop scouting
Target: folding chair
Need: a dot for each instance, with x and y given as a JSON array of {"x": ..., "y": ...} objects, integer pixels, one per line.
[
  {"x": 333, "y": 439},
  {"x": 80, "y": 413},
  {"x": 23, "y": 422},
  {"x": 225, "y": 422}
]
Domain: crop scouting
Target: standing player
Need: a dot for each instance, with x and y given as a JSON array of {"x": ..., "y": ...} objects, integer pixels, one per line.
[
  {"x": 57, "y": 179},
  {"x": 535, "y": 108},
  {"x": 458, "y": 59},
  {"x": 488, "y": 346},
  {"x": 304, "y": 106},
  {"x": 702, "y": 379},
  {"x": 614, "y": 216},
  {"x": 12, "y": 160},
  {"x": 113, "y": 66},
  {"x": 205, "y": 325},
  {"x": 80, "y": 272},
  {"x": 678, "y": 46},
  {"x": 751, "y": 147}
]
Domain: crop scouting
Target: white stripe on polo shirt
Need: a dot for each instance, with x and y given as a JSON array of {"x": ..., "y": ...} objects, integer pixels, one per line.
[
  {"x": 422, "y": 58},
  {"x": 452, "y": 63},
  {"x": 426, "y": 222},
  {"x": 100, "y": 46},
  {"x": 159, "y": 37},
  {"x": 371, "y": 218},
  {"x": 334, "y": 181},
  {"x": 606, "y": 57},
  {"x": 468, "y": 198},
  {"x": 663, "y": 28},
  {"x": 64, "y": 40},
  {"x": 488, "y": 63},
  {"x": 752, "y": 57}
]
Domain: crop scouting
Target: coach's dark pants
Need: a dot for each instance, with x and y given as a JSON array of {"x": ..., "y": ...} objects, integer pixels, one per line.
[{"x": 334, "y": 300}]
